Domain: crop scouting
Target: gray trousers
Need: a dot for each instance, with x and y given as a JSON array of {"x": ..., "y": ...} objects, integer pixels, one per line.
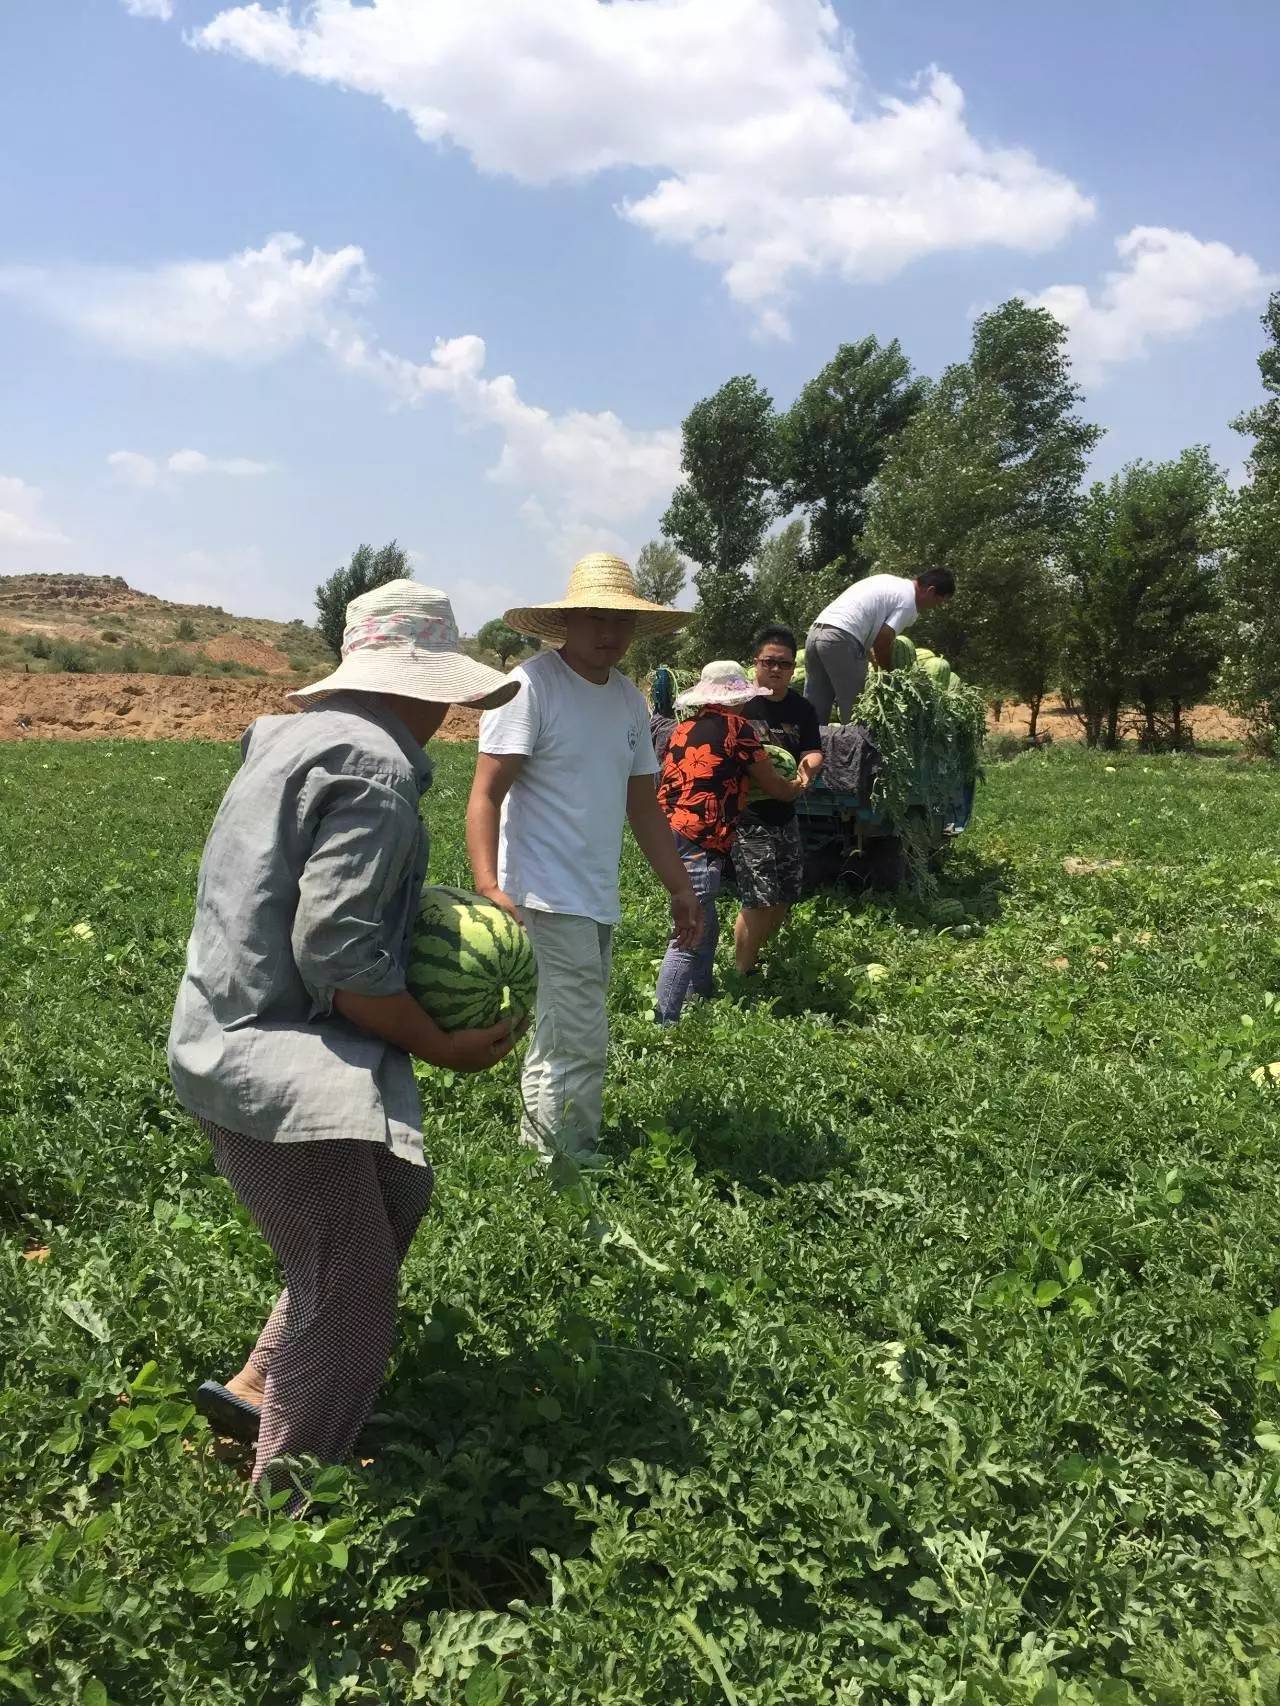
[
  {"x": 835, "y": 671},
  {"x": 563, "y": 1080}
]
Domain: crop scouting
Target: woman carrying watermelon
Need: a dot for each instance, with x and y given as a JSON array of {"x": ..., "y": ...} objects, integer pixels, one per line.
[
  {"x": 712, "y": 760},
  {"x": 294, "y": 1033}
]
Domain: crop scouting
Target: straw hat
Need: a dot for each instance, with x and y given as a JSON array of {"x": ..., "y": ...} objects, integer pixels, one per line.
[
  {"x": 721, "y": 683},
  {"x": 402, "y": 638},
  {"x": 597, "y": 582}
]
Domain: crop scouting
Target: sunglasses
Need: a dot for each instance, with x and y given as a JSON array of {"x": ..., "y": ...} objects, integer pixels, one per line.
[{"x": 776, "y": 663}]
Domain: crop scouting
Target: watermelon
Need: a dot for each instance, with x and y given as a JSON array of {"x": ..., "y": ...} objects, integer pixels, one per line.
[
  {"x": 470, "y": 963},
  {"x": 904, "y": 652},
  {"x": 923, "y": 654},
  {"x": 939, "y": 672},
  {"x": 782, "y": 762}
]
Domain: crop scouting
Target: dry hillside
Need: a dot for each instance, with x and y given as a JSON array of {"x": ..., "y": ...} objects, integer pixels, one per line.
[{"x": 98, "y": 623}]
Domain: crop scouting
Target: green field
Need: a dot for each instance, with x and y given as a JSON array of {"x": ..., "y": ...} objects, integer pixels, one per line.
[{"x": 917, "y": 1348}]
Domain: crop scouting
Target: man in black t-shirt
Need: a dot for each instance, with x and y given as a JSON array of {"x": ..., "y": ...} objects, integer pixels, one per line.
[{"x": 768, "y": 862}]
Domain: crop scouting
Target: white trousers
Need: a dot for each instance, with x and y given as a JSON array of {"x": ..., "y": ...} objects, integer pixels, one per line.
[{"x": 563, "y": 1080}]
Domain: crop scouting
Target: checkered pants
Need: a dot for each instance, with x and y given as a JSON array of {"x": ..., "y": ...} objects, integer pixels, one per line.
[{"x": 339, "y": 1216}]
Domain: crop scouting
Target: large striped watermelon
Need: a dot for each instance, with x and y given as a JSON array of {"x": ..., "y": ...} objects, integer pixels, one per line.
[
  {"x": 470, "y": 963},
  {"x": 783, "y": 762}
]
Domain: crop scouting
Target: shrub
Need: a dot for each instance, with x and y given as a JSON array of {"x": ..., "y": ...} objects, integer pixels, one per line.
[
  {"x": 185, "y": 630},
  {"x": 75, "y": 660},
  {"x": 38, "y": 645},
  {"x": 111, "y": 636},
  {"x": 176, "y": 663}
]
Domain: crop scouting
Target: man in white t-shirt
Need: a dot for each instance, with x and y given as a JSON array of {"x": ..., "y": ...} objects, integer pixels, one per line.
[
  {"x": 560, "y": 770},
  {"x": 861, "y": 625}
]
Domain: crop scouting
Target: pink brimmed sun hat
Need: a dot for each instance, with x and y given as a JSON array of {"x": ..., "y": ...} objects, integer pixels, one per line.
[
  {"x": 402, "y": 638},
  {"x": 721, "y": 683}
]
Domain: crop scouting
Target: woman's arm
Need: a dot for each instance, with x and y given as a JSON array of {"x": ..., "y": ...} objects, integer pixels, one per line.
[
  {"x": 771, "y": 781},
  {"x": 399, "y": 1020}
]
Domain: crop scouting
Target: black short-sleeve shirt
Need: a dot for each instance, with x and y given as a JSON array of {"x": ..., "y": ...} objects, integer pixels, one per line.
[{"x": 789, "y": 722}]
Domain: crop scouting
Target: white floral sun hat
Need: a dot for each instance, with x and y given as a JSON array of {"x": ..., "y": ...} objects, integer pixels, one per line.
[
  {"x": 402, "y": 638},
  {"x": 721, "y": 683}
]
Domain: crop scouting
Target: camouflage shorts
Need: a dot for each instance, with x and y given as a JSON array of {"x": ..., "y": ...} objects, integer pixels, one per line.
[{"x": 768, "y": 862}]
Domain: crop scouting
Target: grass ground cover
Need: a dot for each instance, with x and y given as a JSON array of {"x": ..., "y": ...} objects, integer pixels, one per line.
[{"x": 918, "y": 1345}]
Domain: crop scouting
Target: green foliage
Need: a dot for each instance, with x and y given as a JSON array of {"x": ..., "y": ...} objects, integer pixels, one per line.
[
  {"x": 984, "y": 480},
  {"x": 502, "y": 641},
  {"x": 660, "y": 576},
  {"x": 929, "y": 732},
  {"x": 1142, "y": 624},
  {"x": 722, "y": 508},
  {"x": 184, "y": 629},
  {"x": 952, "y": 1375},
  {"x": 367, "y": 569},
  {"x": 785, "y": 590},
  {"x": 832, "y": 443},
  {"x": 1250, "y": 680},
  {"x": 72, "y": 658}
]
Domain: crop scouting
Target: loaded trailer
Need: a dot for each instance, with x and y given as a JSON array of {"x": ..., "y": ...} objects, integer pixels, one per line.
[{"x": 849, "y": 838}]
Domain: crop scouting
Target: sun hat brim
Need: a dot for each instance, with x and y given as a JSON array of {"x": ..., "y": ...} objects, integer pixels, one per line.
[
  {"x": 547, "y": 621},
  {"x": 440, "y": 678},
  {"x": 702, "y": 694}
]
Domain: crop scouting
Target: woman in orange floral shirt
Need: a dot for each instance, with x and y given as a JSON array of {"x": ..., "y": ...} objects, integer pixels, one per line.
[{"x": 712, "y": 759}]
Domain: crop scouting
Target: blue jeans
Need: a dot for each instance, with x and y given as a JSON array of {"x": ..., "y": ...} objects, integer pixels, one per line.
[{"x": 686, "y": 969}]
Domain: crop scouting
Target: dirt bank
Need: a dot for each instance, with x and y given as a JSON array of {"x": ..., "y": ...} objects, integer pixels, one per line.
[
  {"x": 196, "y": 707},
  {"x": 151, "y": 707}
]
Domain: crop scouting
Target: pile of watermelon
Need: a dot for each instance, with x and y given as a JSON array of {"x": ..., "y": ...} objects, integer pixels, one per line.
[{"x": 470, "y": 963}]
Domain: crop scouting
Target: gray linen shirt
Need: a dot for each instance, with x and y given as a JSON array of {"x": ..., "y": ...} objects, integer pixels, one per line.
[{"x": 310, "y": 883}]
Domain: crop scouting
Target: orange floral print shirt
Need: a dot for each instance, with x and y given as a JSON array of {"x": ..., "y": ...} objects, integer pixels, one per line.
[{"x": 705, "y": 776}]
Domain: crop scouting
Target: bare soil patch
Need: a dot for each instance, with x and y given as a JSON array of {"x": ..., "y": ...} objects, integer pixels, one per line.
[
  {"x": 254, "y": 654},
  {"x": 153, "y": 707},
  {"x": 1206, "y": 722}
]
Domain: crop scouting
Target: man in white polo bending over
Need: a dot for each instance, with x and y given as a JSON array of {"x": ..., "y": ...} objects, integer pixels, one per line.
[{"x": 861, "y": 625}]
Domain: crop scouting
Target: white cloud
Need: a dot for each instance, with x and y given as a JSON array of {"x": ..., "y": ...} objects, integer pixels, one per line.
[
  {"x": 1170, "y": 284},
  {"x": 773, "y": 157},
  {"x": 162, "y": 9},
  {"x": 133, "y": 469},
  {"x": 196, "y": 462},
  {"x": 23, "y": 523},
  {"x": 588, "y": 471},
  {"x": 250, "y": 307},
  {"x": 589, "y": 466}
]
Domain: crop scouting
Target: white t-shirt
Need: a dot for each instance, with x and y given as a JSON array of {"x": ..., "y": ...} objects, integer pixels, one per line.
[
  {"x": 869, "y": 605},
  {"x": 560, "y": 837}
]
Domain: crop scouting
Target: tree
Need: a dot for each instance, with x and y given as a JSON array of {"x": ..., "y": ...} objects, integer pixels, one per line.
[
  {"x": 660, "y": 576},
  {"x": 786, "y": 588},
  {"x": 505, "y": 642},
  {"x": 984, "y": 479},
  {"x": 1142, "y": 623},
  {"x": 1250, "y": 680},
  {"x": 833, "y": 441},
  {"x": 368, "y": 568},
  {"x": 721, "y": 510}
]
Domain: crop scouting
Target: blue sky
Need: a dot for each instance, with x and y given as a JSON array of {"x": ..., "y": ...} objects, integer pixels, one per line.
[{"x": 275, "y": 280}]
